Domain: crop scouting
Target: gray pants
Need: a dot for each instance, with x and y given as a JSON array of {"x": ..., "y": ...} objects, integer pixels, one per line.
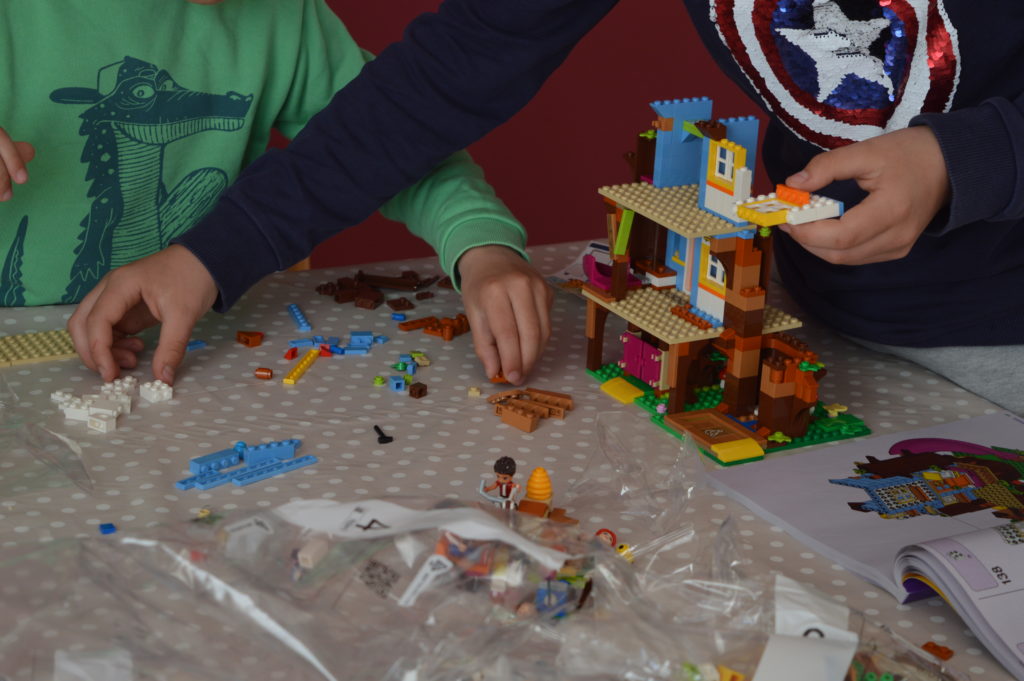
[{"x": 995, "y": 372}]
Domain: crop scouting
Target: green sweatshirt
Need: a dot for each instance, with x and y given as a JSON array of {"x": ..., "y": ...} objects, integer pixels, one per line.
[{"x": 143, "y": 111}]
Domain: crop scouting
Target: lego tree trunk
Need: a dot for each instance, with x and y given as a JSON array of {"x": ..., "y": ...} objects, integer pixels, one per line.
[{"x": 596, "y": 317}]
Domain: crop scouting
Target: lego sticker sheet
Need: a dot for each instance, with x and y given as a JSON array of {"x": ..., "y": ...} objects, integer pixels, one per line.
[{"x": 444, "y": 443}]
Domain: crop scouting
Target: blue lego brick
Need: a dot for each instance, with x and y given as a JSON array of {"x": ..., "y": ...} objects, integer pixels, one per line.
[
  {"x": 319, "y": 340},
  {"x": 350, "y": 350},
  {"x": 336, "y": 349},
  {"x": 208, "y": 481},
  {"x": 743, "y": 131},
  {"x": 301, "y": 323},
  {"x": 410, "y": 368},
  {"x": 333, "y": 340},
  {"x": 301, "y": 343},
  {"x": 380, "y": 340},
  {"x": 252, "y": 475},
  {"x": 107, "y": 528},
  {"x": 396, "y": 383},
  {"x": 195, "y": 345},
  {"x": 261, "y": 454},
  {"x": 361, "y": 339},
  {"x": 677, "y": 152},
  {"x": 398, "y": 316},
  {"x": 225, "y": 458},
  {"x": 404, "y": 357}
]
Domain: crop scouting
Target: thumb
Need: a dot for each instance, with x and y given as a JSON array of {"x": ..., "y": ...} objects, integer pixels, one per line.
[
  {"x": 170, "y": 350},
  {"x": 826, "y": 168},
  {"x": 25, "y": 150}
]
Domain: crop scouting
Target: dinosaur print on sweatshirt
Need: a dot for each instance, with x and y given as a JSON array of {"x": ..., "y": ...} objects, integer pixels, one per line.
[{"x": 134, "y": 114}]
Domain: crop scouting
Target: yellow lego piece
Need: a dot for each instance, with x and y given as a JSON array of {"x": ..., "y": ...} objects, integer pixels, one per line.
[
  {"x": 737, "y": 450},
  {"x": 726, "y": 674},
  {"x": 622, "y": 390},
  {"x": 28, "y": 348},
  {"x": 299, "y": 369},
  {"x": 761, "y": 215}
]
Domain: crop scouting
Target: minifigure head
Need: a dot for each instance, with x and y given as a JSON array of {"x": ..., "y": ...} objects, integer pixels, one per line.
[
  {"x": 606, "y": 536},
  {"x": 505, "y": 468}
]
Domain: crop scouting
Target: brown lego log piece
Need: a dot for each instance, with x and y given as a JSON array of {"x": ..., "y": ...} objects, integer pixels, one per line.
[
  {"x": 560, "y": 401},
  {"x": 529, "y": 407},
  {"x": 516, "y": 418},
  {"x": 406, "y": 281},
  {"x": 504, "y": 395}
]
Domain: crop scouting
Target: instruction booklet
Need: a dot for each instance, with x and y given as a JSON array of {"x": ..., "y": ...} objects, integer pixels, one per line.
[{"x": 938, "y": 510}]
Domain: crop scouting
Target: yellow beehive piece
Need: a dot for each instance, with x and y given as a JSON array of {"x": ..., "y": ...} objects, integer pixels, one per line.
[
  {"x": 299, "y": 369},
  {"x": 538, "y": 487}
]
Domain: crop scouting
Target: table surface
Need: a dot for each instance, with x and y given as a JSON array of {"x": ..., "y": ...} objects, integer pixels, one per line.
[{"x": 443, "y": 442}]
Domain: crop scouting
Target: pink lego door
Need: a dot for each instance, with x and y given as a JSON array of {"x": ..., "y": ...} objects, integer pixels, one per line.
[{"x": 640, "y": 359}]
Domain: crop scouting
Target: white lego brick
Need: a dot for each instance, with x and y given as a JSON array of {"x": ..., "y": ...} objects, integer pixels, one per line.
[
  {"x": 661, "y": 282},
  {"x": 61, "y": 396},
  {"x": 76, "y": 409},
  {"x": 104, "y": 407},
  {"x": 156, "y": 391},
  {"x": 741, "y": 181},
  {"x": 820, "y": 208},
  {"x": 103, "y": 423}
]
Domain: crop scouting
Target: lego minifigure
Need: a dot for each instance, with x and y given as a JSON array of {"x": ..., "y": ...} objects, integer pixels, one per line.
[{"x": 504, "y": 471}]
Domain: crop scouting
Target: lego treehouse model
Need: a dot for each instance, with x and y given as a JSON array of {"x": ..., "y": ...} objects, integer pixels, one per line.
[{"x": 690, "y": 253}]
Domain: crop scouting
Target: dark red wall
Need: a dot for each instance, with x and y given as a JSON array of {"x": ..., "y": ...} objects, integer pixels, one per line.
[{"x": 548, "y": 161}]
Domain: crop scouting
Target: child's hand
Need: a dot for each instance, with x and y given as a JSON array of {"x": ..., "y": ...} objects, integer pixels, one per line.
[
  {"x": 13, "y": 157},
  {"x": 508, "y": 305},
  {"x": 170, "y": 287},
  {"x": 905, "y": 176}
]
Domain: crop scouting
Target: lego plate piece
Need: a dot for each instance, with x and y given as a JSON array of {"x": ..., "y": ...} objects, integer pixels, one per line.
[
  {"x": 28, "y": 348},
  {"x": 788, "y": 205}
]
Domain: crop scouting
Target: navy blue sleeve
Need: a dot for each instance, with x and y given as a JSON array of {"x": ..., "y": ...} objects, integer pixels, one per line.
[
  {"x": 983, "y": 147},
  {"x": 456, "y": 75}
]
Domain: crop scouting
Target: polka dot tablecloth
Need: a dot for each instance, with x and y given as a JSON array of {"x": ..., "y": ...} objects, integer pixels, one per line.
[{"x": 444, "y": 442}]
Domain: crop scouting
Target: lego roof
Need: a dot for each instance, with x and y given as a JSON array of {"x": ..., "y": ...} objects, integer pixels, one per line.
[
  {"x": 650, "y": 309},
  {"x": 674, "y": 208}
]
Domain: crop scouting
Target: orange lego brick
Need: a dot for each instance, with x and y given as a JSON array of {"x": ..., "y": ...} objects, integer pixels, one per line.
[
  {"x": 420, "y": 323},
  {"x": 791, "y": 195},
  {"x": 250, "y": 339}
]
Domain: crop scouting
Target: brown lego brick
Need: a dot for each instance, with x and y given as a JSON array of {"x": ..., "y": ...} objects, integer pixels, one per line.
[
  {"x": 418, "y": 390},
  {"x": 368, "y": 298},
  {"x": 424, "y": 295},
  {"x": 745, "y": 276},
  {"x": 516, "y": 418},
  {"x": 722, "y": 246},
  {"x": 558, "y": 402},
  {"x": 746, "y": 299},
  {"x": 400, "y": 304},
  {"x": 406, "y": 281},
  {"x": 538, "y": 509}
]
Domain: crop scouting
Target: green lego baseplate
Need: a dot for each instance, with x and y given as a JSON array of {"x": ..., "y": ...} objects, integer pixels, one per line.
[{"x": 822, "y": 428}]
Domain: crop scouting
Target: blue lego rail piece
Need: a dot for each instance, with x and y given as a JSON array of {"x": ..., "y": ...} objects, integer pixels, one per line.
[
  {"x": 301, "y": 323},
  {"x": 301, "y": 343},
  {"x": 195, "y": 345},
  {"x": 350, "y": 350},
  {"x": 225, "y": 458},
  {"x": 270, "y": 451},
  {"x": 336, "y": 349},
  {"x": 252, "y": 475}
]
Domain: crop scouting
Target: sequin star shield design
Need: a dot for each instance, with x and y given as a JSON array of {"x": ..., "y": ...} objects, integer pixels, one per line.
[{"x": 841, "y": 71}]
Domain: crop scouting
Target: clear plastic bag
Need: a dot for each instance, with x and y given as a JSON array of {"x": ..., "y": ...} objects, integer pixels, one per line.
[
  {"x": 421, "y": 590},
  {"x": 34, "y": 457}
]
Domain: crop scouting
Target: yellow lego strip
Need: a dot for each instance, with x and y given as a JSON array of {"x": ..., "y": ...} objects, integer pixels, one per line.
[
  {"x": 299, "y": 369},
  {"x": 737, "y": 450},
  {"x": 28, "y": 348},
  {"x": 762, "y": 219},
  {"x": 622, "y": 390}
]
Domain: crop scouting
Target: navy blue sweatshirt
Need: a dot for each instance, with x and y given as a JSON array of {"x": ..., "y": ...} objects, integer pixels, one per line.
[{"x": 829, "y": 74}]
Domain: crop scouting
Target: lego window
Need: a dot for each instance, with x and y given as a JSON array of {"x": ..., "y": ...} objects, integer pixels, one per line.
[
  {"x": 716, "y": 272},
  {"x": 724, "y": 159}
]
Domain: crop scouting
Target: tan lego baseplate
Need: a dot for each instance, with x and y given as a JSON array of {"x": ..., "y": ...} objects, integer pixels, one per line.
[
  {"x": 28, "y": 348},
  {"x": 651, "y": 310},
  {"x": 675, "y": 208}
]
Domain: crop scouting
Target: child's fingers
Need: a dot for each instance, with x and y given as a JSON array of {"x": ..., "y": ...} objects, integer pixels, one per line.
[
  {"x": 844, "y": 163},
  {"x": 107, "y": 310},
  {"x": 483, "y": 341},
  {"x": 174, "y": 332},
  {"x": 78, "y": 327},
  {"x": 126, "y": 351},
  {"x": 13, "y": 166},
  {"x": 504, "y": 327}
]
